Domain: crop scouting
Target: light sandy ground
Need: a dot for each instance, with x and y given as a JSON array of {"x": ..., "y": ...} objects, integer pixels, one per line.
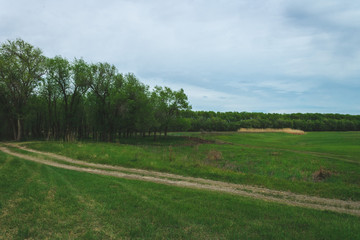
[{"x": 288, "y": 198}]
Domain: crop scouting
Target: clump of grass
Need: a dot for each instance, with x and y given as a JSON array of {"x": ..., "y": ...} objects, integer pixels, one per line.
[
  {"x": 271, "y": 130},
  {"x": 214, "y": 155},
  {"x": 321, "y": 175},
  {"x": 275, "y": 153}
]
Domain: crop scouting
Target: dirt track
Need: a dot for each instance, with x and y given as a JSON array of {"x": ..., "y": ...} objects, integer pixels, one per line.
[{"x": 288, "y": 198}]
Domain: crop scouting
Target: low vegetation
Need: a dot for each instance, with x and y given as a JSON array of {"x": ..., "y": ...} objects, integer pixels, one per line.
[
  {"x": 273, "y": 160},
  {"x": 43, "y": 202}
]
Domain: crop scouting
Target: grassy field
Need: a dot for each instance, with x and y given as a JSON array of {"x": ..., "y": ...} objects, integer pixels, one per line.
[
  {"x": 39, "y": 201},
  {"x": 273, "y": 160},
  {"x": 343, "y": 144}
]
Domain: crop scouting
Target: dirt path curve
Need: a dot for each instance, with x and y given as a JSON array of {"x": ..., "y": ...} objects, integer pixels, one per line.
[{"x": 288, "y": 198}]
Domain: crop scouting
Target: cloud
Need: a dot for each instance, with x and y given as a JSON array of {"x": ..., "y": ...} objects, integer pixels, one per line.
[
  {"x": 279, "y": 86},
  {"x": 229, "y": 55},
  {"x": 332, "y": 29}
]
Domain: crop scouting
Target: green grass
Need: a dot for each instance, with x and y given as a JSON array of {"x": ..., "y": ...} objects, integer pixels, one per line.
[
  {"x": 39, "y": 202},
  {"x": 273, "y": 160},
  {"x": 343, "y": 144}
]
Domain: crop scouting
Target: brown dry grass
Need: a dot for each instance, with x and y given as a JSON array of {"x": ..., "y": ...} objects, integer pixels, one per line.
[
  {"x": 271, "y": 130},
  {"x": 214, "y": 155}
]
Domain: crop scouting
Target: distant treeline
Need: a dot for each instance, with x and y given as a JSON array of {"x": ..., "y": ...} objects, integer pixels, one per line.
[
  {"x": 54, "y": 98},
  {"x": 232, "y": 121}
]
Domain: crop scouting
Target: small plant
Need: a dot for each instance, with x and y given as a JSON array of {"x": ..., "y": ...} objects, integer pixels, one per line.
[{"x": 214, "y": 155}]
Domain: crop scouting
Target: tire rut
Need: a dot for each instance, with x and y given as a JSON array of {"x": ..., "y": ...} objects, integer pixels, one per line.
[{"x": 288, "y": 198}]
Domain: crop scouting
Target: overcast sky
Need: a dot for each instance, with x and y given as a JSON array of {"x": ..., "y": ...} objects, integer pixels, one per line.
[{"x": 252, "y": 55}]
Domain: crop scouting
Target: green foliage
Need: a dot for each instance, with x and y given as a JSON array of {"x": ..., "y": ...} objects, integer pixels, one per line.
[
  {"x": 21, "y": 69},
  {"x": 168, "y": 105},
  {"x": 232, "y": 121},
  {"x": 76, "y": 100}
]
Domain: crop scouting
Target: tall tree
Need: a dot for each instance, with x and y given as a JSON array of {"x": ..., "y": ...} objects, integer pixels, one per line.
[
  {"x": 104, "y": 84},
  {"x": 168, "y": 104},
  {"x": 50, "y": 91},
  {"x": 138, "y": 115},
  {"x": 58, "y": 80},
  {"x": 21, "y": 69},
  {"x": 81, "y": 78},
  {"x": 70, "y": 81}
]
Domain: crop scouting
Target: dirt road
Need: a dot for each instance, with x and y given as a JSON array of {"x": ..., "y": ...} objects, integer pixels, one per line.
[{"x": 288, "y": 198}]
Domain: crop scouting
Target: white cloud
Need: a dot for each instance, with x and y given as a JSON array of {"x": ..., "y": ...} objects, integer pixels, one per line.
[{"x": 226, "y": 54}]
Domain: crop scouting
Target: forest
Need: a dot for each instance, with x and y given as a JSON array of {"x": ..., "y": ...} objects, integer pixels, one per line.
[
  {"x": 57, "y": 99},
  {"x": 232, "y": 121}
]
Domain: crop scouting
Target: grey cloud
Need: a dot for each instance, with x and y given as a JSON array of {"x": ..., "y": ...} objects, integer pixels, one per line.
[
  {"x": 334, "y": 25},
  {"x": 242, "y": 55}
]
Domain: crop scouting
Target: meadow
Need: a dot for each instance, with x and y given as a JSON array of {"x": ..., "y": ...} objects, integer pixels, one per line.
[
  {"x": 39, "y": 201},
  {"x": 274, "y": 160}
]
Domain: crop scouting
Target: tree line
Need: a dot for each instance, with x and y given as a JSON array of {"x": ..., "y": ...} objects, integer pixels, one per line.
[
  {"x": 232, "y": 121},
  {"x": 58, "y": 99},
  {"x": 54, "y": 98}
]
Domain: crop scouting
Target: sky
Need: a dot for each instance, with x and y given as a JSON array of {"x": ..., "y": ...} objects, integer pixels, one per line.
[{"x": 272, "y": 56}]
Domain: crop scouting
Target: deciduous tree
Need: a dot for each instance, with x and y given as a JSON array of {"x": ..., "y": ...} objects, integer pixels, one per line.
[{"x": 21, "y": 69}]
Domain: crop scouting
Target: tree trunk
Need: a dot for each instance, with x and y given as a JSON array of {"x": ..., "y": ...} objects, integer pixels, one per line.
[
  {"x": 18, "y": 138},
  {"x": 165, "y": 131},
  {"x": 14, "y": 129}
]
